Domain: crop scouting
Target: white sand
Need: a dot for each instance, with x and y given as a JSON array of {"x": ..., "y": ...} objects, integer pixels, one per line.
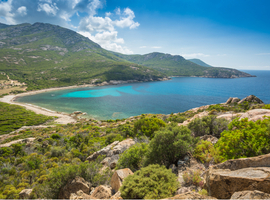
[{"x": 62, "y": 118}]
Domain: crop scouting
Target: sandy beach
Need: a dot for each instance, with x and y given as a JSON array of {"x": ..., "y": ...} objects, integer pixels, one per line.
[{"x": 62, "y": 118}]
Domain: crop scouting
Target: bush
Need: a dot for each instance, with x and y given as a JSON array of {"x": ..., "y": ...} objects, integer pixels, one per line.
[
  {"x": 244, "y": 139},
  {"x": 169, "y": 145},
  {"x": 133, "y": 157},
  {"x": 151, "y": 182},
  {"x": 205, "y": 152},
  {"x": 113, "y": 137},
  {"x": 147, "y": 126},
  {"x": 266, "y": 106},
  {"x": 208, "y": 125},
  {"x": 193, "y": 178}
]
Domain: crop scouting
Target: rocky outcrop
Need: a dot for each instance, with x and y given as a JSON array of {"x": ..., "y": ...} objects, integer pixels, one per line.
[
  {"x": 79, "y": 195},
  {"x": 224, "y": 179},
  {"x": 26, "y": 140},
  {"x": 229, "y": 116},
  {"x": 191, "y": 195},
  {"x": 252, "y": 99},
  {"x": 25, "y": 194},
  {"x": 102, "y": 192},
  {"x": 117, "y": 195},
  {"x": 232, "y": 100},
  {"x": 209, "y": 138},
  {"x": 199, "y": 115},
  {"x": 222, "y": 183},
  {"x": 256, "y": 114},
  {"x": 250, "y": 195},
  {"x": 118, "y": 177},
  {"x": 73, "y": 186},
  {"x": 112, "y": 152},
  {"x": 258, "y": 161}
]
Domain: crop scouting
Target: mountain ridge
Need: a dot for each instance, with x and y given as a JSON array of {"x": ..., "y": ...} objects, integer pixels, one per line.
[{"x": 44, "y": 55}]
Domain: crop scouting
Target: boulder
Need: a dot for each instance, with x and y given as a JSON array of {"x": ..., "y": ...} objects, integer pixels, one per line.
[
  {"x": 209, "y": 138},
  {"x": 191, "y": 195},
  {"x": 183, "y": 190},
  {"x": 258, "y": 161},
  {"x": 250, "y": 195},
  {"x": 73, "y": 186},
  {"x": 252, "y": 99},
  {"x": 118, "y": 177},
  {"x": 223, "y": 183},
  {"x": 102, "y": 192},
  {"x": 232, "y": 100},
  {"x": 79, "y": 195},
  {"x": 117, "y": 195},
  {"x": 113, "y": 161},
  {"x": 256, "y": 114},
  {"x": 121, "y": 147},
  {"x": 229, "y": 116},
  {"x": 103, "y": 151},
  {"x": 25, "y": 194}
]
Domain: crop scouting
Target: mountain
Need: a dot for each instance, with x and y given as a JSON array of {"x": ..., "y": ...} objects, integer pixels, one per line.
[
  {"x": 45, "y": 55},
  {"x": 178, "y": 66},
  {"x": 199, "y": 62}
]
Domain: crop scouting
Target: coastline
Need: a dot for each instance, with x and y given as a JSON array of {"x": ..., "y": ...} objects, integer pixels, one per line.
[{"x": 63, "y": 118}]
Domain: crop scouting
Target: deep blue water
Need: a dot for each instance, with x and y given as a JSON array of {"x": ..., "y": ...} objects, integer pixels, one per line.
[{"x": 176, "y": 95}]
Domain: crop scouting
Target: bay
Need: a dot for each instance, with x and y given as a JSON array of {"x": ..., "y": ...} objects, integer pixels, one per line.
[{"x": 176, "y": 95}]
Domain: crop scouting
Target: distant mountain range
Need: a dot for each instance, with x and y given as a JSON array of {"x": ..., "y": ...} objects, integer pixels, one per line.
[{"x": 45, "y": 55}]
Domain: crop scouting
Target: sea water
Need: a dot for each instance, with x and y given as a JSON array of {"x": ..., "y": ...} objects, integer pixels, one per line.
[{"x": 176, "y": 95}]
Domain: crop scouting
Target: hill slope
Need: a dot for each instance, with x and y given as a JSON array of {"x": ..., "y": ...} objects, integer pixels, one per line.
[
  {"x": 199, "y": 62},
  {"x": 179, "y": 66},
  {"x": 45, "y": 55}
]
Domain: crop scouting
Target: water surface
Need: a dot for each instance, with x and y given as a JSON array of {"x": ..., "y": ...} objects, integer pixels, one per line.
[{"x": 176, "y": 95}]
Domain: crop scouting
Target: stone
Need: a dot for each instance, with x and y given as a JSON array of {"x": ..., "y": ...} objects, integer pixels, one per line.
[
  {"x": 190, "y": 195},
  {"x": 199, "y": 115},
  {"x": 256, "y": 114},
  {"x": 73, "y": 186},
  {"x": 113, "y": 161},
  {"x": 79, "y": 195},
  {"x": 252, "y": 99},
  {"x": 103, "y": 151},
  {"x": 235, "y": 164},
  {"x": 230, "y": 116},
  {"x": 117, "y": 195},
  {"x": 232, "y": 100},
  {"x": 173, "y": 168},
  {"x": 223, "y": 183},
  {"x": 250, "y": 195},
  {"x": 25, "y": 194},
  {"x": 102, "y": 192},
  {"x": 122, "y": 146},
  {"x": 182, "y": 190},
  {"x": 209, "y": 138},
  {"x": 118, "y": 177}
]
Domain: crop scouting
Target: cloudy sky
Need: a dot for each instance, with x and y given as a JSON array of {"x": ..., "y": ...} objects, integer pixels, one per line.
[{"x": 227, "y": 33}]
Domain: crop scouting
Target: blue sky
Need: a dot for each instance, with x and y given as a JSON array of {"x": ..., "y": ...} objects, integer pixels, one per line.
[{"x": 225, "y": 33}]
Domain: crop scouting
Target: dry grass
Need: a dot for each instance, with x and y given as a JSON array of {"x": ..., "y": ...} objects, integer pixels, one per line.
[{"x": 8, "y": 90}]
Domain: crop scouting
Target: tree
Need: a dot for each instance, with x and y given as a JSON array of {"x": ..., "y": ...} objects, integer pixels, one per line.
[{"x": 169, "y": 145}]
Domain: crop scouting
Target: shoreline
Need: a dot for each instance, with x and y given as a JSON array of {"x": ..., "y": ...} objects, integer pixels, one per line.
[{"x": 63, "y": 118}]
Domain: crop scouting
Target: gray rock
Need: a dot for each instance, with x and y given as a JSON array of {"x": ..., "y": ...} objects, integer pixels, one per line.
[
  {"x": 25, "y": 194},
  {"x": 250, "y": 195}
]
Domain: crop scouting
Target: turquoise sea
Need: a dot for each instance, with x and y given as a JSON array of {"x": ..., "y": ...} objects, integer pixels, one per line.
[{"x": 176, "y": 95}]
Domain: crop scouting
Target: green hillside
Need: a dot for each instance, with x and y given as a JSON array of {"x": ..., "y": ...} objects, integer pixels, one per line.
[
  {"x": 199, "y": 62},
  {"x": 45, "y": 55},
  {"x": 179, "y": 66}
]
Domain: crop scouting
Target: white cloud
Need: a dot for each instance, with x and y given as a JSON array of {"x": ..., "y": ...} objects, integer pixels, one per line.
[
  {"x": 5, "y": 10},
  {"x": 156, "y": 47},
  {"x": 101, "y": 29},
  {"x": 22, "y": 10},
  {"x": 126, "y": 19},
  {"x": 194, "y": 55},
  {"x": 49, "y": 9}
]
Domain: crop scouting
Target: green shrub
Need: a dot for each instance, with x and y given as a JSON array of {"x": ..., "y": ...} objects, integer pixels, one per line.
[
  {"x": 113, "y": 137},
  {"x": 192, "y": 177},
  {"x": 205, "y": 152},
  {"x": 208, "y": 125},
  {"x": 169, "y": 145},
  {"x": 244, "y": 139},
  {"x": 5, "y": 151},
  {"x": 57, "y": 152},
  {"x": 203, "y": 192},
  {"x": 133, "y": 157},
  {"x": 151, "y": 182},
  {"x": 266, "y": 106},
  {"x": 55, "y": 136},
  {"x": 147, "y": 126}
]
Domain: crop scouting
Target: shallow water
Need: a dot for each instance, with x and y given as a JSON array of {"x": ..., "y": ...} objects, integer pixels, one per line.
[{"x": 176, "y": 95}]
